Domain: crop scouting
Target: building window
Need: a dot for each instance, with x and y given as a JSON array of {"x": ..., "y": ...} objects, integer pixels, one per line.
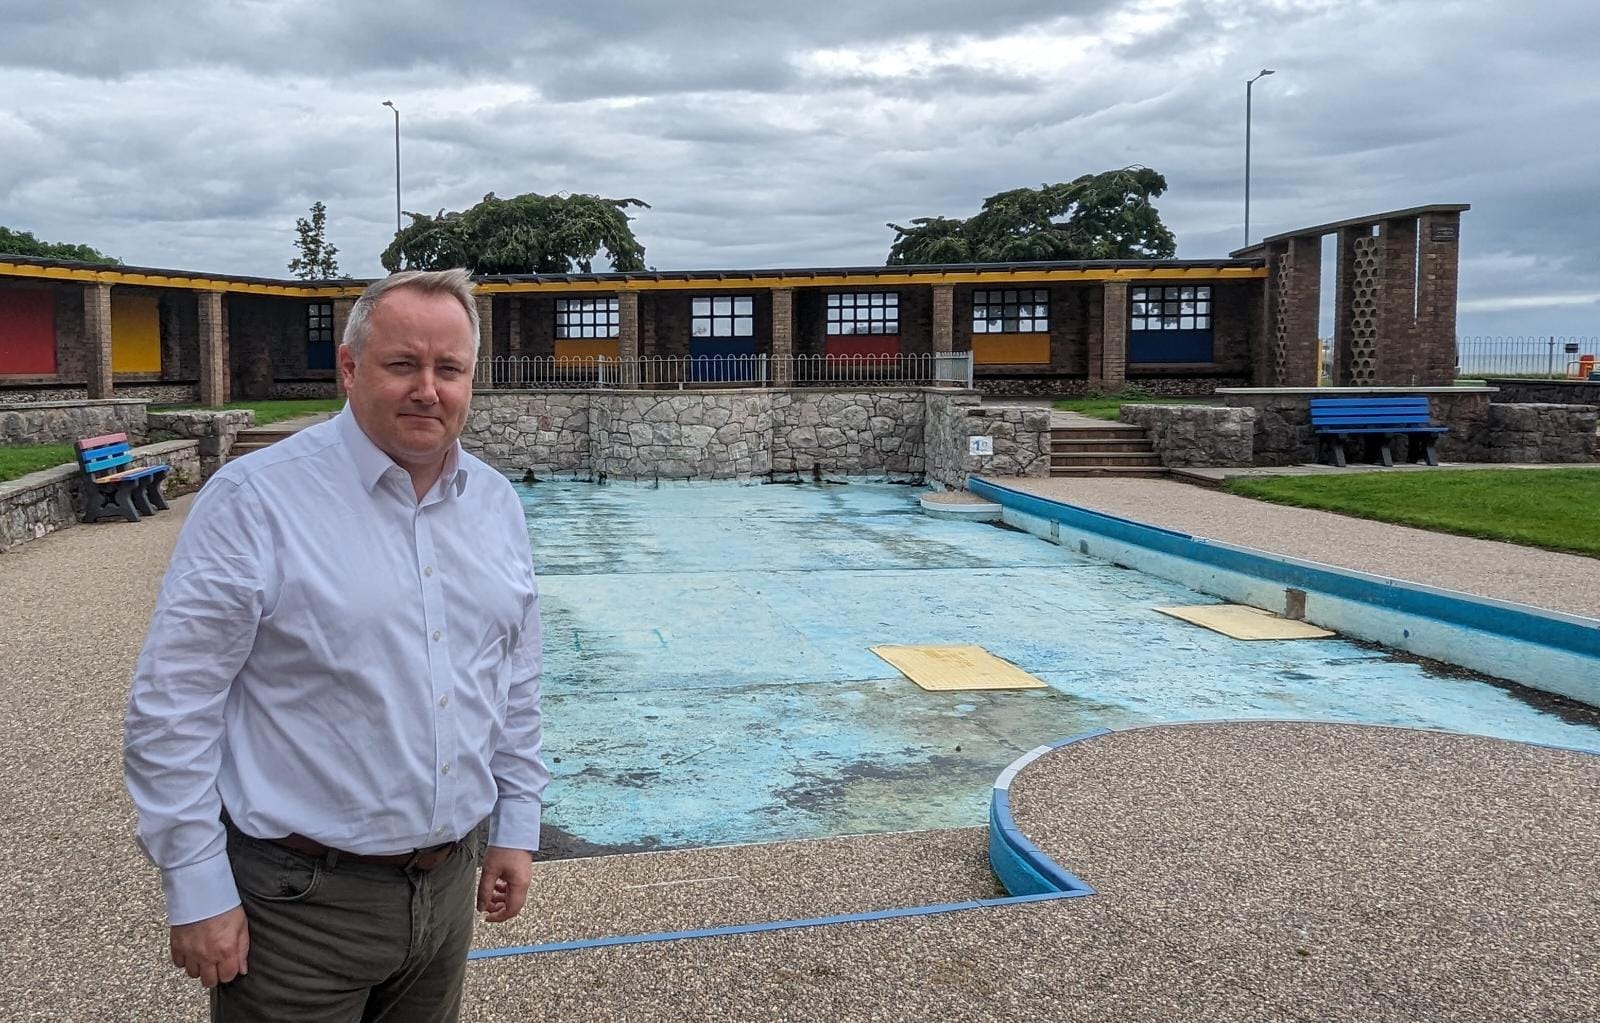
[
  {"x": 586, "y": 317},
  {"x": 1011, "y": 311},
  {"x": 1171, "y": 307},
  {"x": 319, "y": 335},
  {"x": 865, "y": 313},
  {"x": 732, "y": 316}
]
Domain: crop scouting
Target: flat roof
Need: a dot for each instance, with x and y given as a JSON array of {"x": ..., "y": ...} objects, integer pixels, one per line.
[
  {"x": 1405, "y": 214},
  {"x": 650, "y": 280}
]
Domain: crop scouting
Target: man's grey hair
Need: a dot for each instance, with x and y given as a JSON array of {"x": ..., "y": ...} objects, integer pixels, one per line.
[{"x": 457, "y": 283}]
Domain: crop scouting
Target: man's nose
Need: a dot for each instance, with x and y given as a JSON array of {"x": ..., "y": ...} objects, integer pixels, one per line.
[{"x": 425, "y": 392}]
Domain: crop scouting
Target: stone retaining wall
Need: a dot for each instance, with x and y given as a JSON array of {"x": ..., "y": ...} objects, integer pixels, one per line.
[
  {"x": 1283, "y": 434},
  {"x": 705, "y": 434},
  {"x": 161, "y": 393},
  {"x": 1021, "y": 436},
  {"x": 1079, "y": 386},
  {"x": 1541, "y": 432},
  {"x": 215, "y": 432},
  {"x": 45, "y": 501},
  {"x": 62, "y": 422},
  {"x": 1541, "y": 392},
  {"x": 1196, "y": 435},
  {"x": 295, "y": 390}
]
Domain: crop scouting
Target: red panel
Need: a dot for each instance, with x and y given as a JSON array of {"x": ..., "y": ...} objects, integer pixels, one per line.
[
  {"x": 880, "y": 345},
  {"x": 27, "y": 331}
]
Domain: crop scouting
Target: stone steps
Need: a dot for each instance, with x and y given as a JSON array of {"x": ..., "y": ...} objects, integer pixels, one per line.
[{"x": 1109, "y": 449}]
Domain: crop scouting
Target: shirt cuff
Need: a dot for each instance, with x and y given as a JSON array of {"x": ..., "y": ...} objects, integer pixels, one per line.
[
  {"x": 515, "y": 825},
  {"x": 200, "y": 890}
]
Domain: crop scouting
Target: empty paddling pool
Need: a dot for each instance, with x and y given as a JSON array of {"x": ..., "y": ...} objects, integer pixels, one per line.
[{"x": 709, "y": 673}]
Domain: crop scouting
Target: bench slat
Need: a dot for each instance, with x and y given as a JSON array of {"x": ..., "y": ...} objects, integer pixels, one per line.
[{"x": 102, "y": 441}]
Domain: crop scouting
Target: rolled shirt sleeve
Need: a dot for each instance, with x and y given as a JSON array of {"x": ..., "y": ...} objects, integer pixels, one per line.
[
  {"x": 518, "y": 760},
  {"x": 205, "y": 623}
]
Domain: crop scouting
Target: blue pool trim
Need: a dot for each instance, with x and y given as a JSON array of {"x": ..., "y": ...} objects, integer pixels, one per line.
[
  {"x": 1514, "y": 621},
  {"x": 774, "y": 925}
]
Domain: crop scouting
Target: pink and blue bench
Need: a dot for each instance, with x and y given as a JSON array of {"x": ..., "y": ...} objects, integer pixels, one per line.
[{"x": 112, "y": 485}]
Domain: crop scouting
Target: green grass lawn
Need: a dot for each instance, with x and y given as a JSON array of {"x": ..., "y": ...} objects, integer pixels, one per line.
[
  {"x": 1554, "y": 508},
  {"x": 270, "y": 411},
  {"x": 19, "y": 461},
  {"x": 1106, "y": 408}
]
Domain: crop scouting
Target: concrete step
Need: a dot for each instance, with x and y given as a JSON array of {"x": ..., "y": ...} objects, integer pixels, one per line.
[
  {"x": 1086, "y": 447},
  {"x": 1108, "y": 458},
  {"x": 1108, "y": 470},
  {"x": 1103, "y": 430},
  {"x": 264, "y": 434}
]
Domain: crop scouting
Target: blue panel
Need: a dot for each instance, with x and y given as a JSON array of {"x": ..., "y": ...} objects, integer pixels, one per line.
[
  {"x": 319, "y": 355},
  {"x": 724, "y": 359},
  {"x": 1169, "y": 346}
]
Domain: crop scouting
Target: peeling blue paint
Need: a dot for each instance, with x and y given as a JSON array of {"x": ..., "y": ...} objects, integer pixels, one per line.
[{"x": 708, "y": 677}]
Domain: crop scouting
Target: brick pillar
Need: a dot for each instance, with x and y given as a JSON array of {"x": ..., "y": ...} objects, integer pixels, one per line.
[
  {"x": 97, "y": 339},
  {"x": 782, "y": 336},
  {"x": 944, "y": 319},
  {"x": 628, "y": 335},
  {"x": 213, "y": 348},
  {"x": 341, "y": 319},
  {"x": 485, "y": 304},
  {"x": 1397, "y": 304},
  {"x": 171, "y": 337},
  {"x": 1354, "y": 313},
  {"x": 1437, "y": 274},
  {"x": 1114, "y": 339},
  {"x": 514, "y": 345},
  {"x": 1294, "y": 290},
  {"x": 1095, "y": 343}
]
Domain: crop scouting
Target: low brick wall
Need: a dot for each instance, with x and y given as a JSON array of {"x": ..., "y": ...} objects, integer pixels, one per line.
[
  {"x": 292, "y": 390},
  {"x": 1196, "y": 435},
  {"x": 1021, "y": 436},
  {"x": 161, "y": 393},
  {"x": 705, "y": 434},
  {"x": 62, "y": 422},
  {"x": 1546, "y": 392},
  {"x": 45, "y": 501},
  {"x": 1541, "y": 432},
  {"x": 215, "y": 432}
]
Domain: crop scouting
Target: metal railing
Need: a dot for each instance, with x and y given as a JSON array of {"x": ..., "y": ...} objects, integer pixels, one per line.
[
  {"x": 1550, "y": 355},
  {"x": 944, "y": 369}
]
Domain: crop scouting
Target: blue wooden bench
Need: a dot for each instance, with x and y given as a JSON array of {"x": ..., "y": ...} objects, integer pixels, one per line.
[
  {"x": 1340, "y": 420},
  {"x": 110, "y": 487}
]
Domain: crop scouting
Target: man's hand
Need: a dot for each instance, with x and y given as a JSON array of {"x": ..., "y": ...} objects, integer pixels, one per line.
[
  {"x": 504, "y": 884},
  {"x": 214, "y": 950}
]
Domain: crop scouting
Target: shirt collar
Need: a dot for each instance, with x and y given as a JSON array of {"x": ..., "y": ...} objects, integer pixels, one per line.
[{"x": 372, "y": 463}]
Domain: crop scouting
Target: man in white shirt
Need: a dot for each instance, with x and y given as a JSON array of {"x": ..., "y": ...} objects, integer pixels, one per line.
[{"x": 339, "y": 693}]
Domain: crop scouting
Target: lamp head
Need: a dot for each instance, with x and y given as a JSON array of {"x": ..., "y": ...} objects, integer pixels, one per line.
[{"x": 388, "y": 104}]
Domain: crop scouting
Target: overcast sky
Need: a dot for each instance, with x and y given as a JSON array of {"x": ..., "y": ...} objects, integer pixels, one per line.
[{"x": 191, "y": 135}]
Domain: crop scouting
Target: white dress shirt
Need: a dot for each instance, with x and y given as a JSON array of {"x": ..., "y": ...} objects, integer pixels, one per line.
[{"x": 332, "y": 657}]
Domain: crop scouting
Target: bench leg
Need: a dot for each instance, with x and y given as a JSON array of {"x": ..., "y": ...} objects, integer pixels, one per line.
[
  {"x": 1433, "y": 451},
  {"x": 125, "y": 493},
  {"x": 1338, "y": 451},
  {"x": 152, "y": 492},
  {"x": 1386, "y": 451},
  {"x": 139, "y": 499}
]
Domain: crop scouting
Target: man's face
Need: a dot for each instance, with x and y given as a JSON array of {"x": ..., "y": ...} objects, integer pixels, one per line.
[{"x": 412, "y": 387}]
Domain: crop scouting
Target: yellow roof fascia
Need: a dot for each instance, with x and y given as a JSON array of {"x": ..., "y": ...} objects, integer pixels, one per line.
[
  {"x": 869, "y": 280},
  {"x": 111, "y": 275}
]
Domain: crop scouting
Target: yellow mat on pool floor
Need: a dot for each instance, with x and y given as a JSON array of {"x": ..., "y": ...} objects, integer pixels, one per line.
[
  {"x": 1238, "y": 621},
  {"x": 946, "y": 668}
]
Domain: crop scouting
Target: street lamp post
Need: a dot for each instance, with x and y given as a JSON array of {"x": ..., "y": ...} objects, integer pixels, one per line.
[
  {"x": 1264, "y": 73},
  {"x": 396, "y": 110}
]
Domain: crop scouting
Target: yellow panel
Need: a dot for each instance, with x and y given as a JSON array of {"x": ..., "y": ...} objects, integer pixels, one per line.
[
  {"x": 135, "y": 334},
  {"x": 1237, "y": 621},
  {"x": 943, "y": 668},
  {"x": 587, "y": 348},
  {"x": 1011, "y": 349}
]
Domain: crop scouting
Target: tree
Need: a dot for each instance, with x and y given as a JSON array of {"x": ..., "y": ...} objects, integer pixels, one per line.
[
  {"x": 1096, "y": 216},
  {"x": 315, "y": 262},
  {"x": 527, "y": 234},
  {"x": 23, "y": 243}
]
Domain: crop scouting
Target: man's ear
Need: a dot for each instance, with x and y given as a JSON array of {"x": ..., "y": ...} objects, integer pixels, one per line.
[{"x": 347, "y": 367}]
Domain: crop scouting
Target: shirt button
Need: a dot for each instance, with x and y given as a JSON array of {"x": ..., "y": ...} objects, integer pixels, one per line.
[
  {"x": 444, "y": 701},
  {"x": 439, "y": 830},
  {"x": 445, "y": 769},
  {"x": 428, "y": 570},
  {"x": 436, "y": 635}
]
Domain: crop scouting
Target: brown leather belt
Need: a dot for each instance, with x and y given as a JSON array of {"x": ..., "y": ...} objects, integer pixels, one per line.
[{"x": 422, "y": 860}]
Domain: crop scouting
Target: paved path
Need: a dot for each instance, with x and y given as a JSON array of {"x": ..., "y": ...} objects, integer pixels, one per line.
[{"x": 1561, "y": 582}]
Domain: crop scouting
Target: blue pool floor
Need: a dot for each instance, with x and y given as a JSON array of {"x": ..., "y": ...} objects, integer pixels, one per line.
[{"x": 709, "y": 679}]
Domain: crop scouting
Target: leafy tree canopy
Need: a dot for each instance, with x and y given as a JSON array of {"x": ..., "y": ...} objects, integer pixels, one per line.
[
  {"x": 1096, "y": 216},
  {"x": 23, "y": 243},
  {"x": 528, "y": 234},
  {"x": 315, "y": 262}
]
